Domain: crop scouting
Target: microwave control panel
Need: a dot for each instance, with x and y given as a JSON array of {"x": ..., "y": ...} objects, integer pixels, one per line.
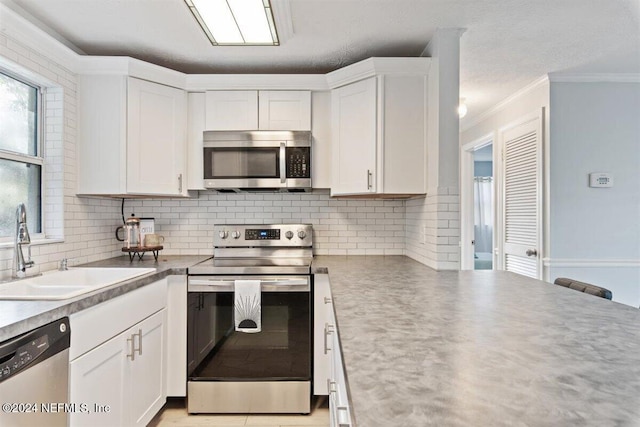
[{"x": 298, "y": 162}]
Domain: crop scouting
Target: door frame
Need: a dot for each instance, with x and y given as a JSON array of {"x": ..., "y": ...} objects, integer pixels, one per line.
[{"x": 466, "y": 198}]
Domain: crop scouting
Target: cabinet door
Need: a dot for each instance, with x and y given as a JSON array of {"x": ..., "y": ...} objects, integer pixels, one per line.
[
  {"x": 354, "y": 137},
  {"x": 156, "y": 138},
  {"x": 147, "y": 371},
  {"x": 231, "y": 110},
  {"x": 100, "y": 377},
  {"x": 322, "y": 333},
  {"x": 284, "y": 110}
]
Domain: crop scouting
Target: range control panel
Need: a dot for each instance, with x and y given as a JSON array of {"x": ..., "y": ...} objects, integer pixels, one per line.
[
  {"x": 249, "y": 235},
  {"x": 262, "y": 234}
]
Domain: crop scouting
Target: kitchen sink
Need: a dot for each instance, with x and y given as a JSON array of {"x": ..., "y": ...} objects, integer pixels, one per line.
[{"x": 66, "y": 284}]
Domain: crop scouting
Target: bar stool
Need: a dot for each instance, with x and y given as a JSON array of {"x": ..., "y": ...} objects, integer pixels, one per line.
[{"x": 587, "y": 288}]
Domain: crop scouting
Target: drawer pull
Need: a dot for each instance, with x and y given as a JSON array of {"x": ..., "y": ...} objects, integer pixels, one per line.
[{"x": 328, "y": 329}]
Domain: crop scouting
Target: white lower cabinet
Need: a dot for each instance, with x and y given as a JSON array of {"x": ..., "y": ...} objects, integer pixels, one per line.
[
  {"x": 328, "y": 369},
  {"x": 339, "y": 410},
  {"x": 119, "y": 379},
  {"x": 322, "y": 319}
]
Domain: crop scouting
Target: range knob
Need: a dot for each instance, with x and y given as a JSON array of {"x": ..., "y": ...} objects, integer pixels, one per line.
[
  {"x": 289, "y": 234},
  {"x": 235, "y": 234},
  {"x": 302, "y": 234},
  {"x": 223, "y": 234}
]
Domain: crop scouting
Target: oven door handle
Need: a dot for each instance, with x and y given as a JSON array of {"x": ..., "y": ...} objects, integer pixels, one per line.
[{"x": 215, "y": 285}]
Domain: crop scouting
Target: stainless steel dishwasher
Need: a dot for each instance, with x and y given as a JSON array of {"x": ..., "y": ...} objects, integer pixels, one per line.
[{"x": 34, "y": 377}]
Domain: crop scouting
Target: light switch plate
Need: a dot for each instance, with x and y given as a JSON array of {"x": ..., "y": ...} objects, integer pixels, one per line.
[{"x": 600, "y": 180}]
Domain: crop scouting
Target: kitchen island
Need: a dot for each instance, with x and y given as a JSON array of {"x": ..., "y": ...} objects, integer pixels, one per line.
[{"x": 480, "y": 348}]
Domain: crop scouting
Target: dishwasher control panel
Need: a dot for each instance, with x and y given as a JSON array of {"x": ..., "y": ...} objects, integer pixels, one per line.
[
  {"x": 23, "y": 356},
  {"x": 21, "y": 352}
]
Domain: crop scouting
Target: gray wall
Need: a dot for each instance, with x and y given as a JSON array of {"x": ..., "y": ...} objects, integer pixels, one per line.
[{"x": 595, "y": 127}]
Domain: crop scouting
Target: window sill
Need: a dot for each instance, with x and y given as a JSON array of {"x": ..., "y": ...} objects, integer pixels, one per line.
[{"x": 34, "y": 242}]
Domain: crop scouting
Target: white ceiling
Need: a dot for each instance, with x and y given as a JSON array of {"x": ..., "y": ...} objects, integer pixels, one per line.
[{"x": 508, "y": 43}]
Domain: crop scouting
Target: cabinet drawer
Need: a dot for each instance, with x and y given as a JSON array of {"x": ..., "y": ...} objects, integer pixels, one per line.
[{"x": 95, "y": 325}]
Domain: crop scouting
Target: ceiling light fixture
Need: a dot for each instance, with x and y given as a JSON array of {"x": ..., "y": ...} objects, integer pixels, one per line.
[
  {"x": 236, "y": 22},
  {"x": 462, "y": 108}
]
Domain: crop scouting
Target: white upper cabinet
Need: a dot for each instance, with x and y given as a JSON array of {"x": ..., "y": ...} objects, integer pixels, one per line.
[
  {"x": 353, "y": 109},
  {"x": 379, "y": 127},
  {"x": 132, "y": 137},
  {"x": 156, "y": 138},
  {"x": 284, "y": 110},
  {"x": 231, "y": 110},
  {"x": 257, "y": 110}
]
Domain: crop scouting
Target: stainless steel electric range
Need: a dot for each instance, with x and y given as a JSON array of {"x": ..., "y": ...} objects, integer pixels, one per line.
[{"x": 235, "y": 369}]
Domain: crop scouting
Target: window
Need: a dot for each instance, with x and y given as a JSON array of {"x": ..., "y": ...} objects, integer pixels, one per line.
[{"x": 21, "y": 161}]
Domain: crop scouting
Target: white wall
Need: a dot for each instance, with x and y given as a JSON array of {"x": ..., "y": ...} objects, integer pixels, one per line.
[
  {"x": 78, "y": 228},
  {"x": 595, "y": 232},
  {"x": 433, "y": 222}
]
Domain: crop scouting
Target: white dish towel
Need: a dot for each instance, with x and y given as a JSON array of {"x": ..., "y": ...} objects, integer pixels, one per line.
[{"x": 248, "y": 306}]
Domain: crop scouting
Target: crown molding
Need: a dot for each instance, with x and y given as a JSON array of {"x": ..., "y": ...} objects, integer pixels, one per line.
[
  {"x": 474, "y": 120},
  {"x": 17, "y": 28},
  {"x": 202, "y": 82},
  {"x": 594, "y": 78},
  {"x": 378, "y": 66}
]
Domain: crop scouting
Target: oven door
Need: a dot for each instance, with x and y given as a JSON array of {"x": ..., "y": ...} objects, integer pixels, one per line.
[
  {"x": 243, "y": 164},
  {"x": 281, "y": 351}
]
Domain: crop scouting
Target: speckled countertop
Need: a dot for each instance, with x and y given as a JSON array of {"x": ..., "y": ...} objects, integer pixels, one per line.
[
  {"x": 481, "y": 348},
  {"x": 18, "y": 316}
]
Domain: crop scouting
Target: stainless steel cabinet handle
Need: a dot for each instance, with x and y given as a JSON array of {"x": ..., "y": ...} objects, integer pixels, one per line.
[
  {"x": 139, "y": 342},
  {"x": 531, "y": 252},
  {"x": 180, "y": 183},
  {"x": 131, "y": 356},
  {"x": 328, "y": 329},
  {"x": 369, "y": 175},
  {"x": 327, "y": 300}
]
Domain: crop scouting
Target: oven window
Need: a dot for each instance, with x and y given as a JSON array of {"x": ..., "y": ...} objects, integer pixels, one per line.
[
  {"x": 239, "y": 163},
  {"x": 281, "y": 351}
]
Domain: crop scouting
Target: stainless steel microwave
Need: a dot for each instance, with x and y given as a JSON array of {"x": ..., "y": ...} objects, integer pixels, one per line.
[{"x": 257, "y": 160}]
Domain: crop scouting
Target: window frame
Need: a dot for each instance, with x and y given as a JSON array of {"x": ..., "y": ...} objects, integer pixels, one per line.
[{"x": 39, "y": 158}]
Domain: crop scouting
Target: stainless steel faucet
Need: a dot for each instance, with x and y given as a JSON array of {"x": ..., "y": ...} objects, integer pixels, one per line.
[{"x": 22, "y": 238}]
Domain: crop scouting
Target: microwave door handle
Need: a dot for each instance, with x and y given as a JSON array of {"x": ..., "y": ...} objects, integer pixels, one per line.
[{"x": 283, "y": 163}]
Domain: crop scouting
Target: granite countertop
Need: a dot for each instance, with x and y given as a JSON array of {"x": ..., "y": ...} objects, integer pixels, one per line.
[
  {"x": 19, "y": 316},
  {"x": 483, "y": 348}
]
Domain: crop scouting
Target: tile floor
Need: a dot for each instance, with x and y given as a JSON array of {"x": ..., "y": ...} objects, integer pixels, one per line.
[{"x": 174, "y": 414}]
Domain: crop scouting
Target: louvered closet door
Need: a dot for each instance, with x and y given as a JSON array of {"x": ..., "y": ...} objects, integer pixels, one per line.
[{"x": 522, "y": 186}]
